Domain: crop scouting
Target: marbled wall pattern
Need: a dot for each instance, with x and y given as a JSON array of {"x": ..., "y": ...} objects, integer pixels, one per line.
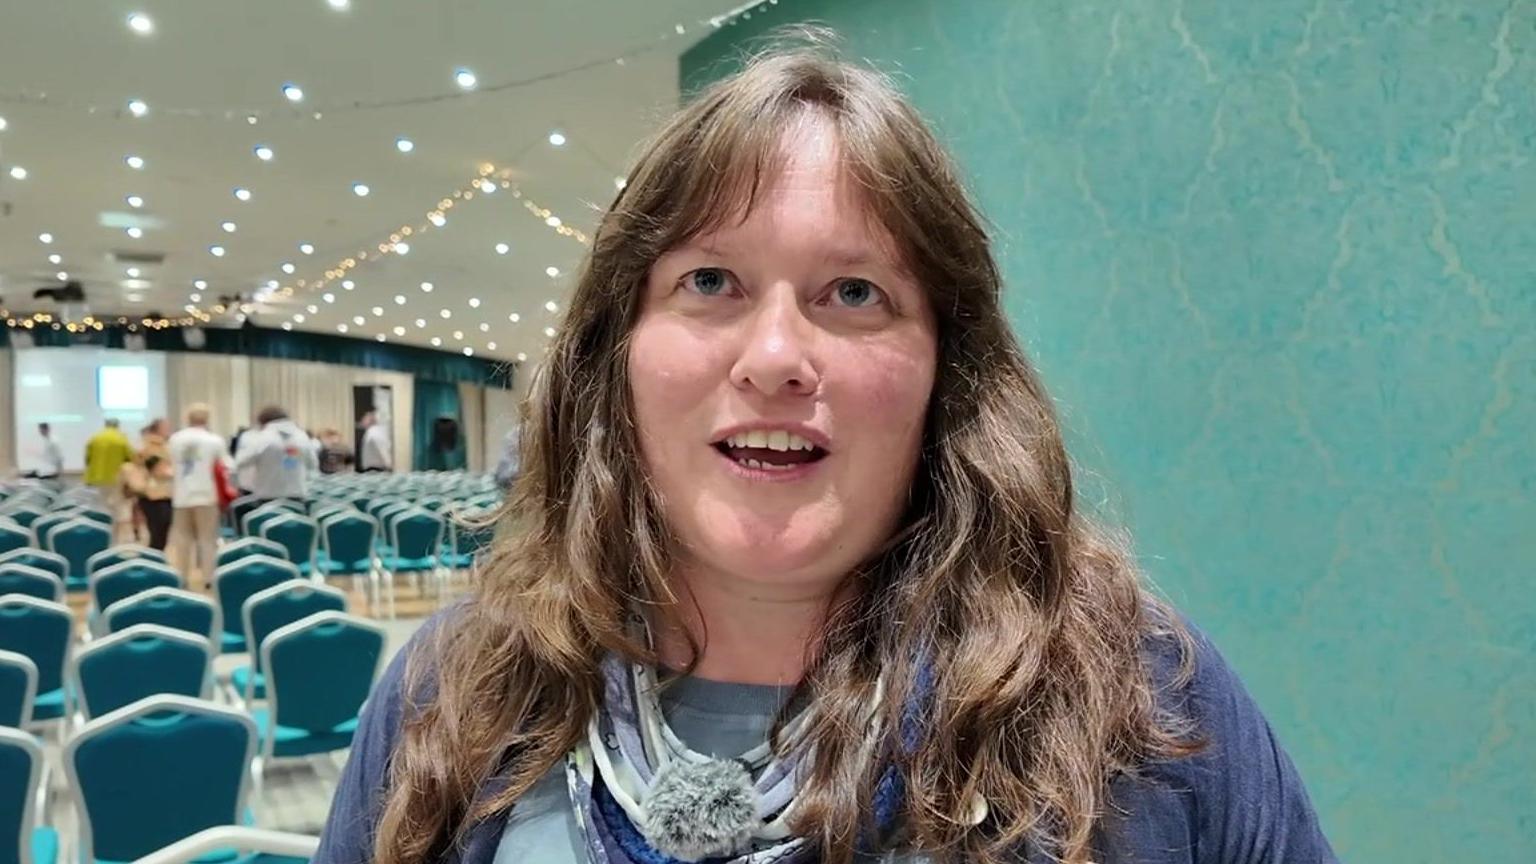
[{"x": 1278, "y": 263}]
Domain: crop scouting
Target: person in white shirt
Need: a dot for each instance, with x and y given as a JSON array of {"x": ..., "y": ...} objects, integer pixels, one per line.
[
  {"x": 53, "y": 458},
  {"x": 279, "y": 456},
  {"x": 376, "y": 454},
  {"x": 195, "y": 452}
]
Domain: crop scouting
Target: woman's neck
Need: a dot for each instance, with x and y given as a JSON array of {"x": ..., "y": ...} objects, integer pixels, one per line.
[{"x": 749, "y": 633}]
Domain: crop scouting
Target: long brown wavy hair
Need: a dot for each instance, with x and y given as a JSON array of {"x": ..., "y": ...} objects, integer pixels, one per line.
[{"x": 1029, "y": 621}]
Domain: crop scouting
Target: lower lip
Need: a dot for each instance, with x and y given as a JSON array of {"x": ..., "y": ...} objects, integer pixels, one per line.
[{"x": 775, "y": 475}]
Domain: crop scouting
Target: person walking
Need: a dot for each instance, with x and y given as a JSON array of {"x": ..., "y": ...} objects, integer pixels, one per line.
[
  {"x": 105, "y": 455},
  {"x": 195, "y": 455},
  {"x": 377, "y": 454},
  {"x": 278, "y": 457}
]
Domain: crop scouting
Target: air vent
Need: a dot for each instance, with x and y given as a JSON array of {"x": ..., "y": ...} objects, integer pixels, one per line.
[{"x": 123, "y": 256}]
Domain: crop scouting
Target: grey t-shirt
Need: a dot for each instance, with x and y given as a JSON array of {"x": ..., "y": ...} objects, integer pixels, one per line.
[{"x": 724, "y": 720}]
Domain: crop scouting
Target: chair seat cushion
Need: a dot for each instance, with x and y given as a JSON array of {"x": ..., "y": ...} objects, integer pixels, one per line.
[
  {"x": 76, "y": 584},
  {"x": 45, "y": 845},
  {"x": 242, "y": 675},
  {"x": 458, "y": 562},
  {"x": 231, "y": 643},
  {"x": 292, "y": 741},
  {"x": 332, "y": 567},
  {"x": 49, "y": 706},
  {"x": 396, "y": 564}
]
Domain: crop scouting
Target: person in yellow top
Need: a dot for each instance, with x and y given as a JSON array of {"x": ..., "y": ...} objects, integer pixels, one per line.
[{"x": 105, "y": 455}]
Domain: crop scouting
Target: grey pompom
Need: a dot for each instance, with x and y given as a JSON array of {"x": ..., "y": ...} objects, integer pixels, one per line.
[{"x": 700, "y": 810}]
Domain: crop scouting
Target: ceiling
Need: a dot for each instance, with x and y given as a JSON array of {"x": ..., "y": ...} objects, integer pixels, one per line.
[{"x": 599, "y": 72}]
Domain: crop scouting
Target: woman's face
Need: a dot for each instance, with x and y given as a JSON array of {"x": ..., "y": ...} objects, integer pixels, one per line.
[{"x": 781, "y": 369}]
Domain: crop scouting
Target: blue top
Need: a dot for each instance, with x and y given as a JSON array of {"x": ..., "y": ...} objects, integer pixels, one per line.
[{"x": 1238, "y": 801}]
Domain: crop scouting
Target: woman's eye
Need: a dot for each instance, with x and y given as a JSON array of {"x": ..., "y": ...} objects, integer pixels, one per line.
[
  {"x": 708, "y": 281},
  {"x": 856, "y": 293}
]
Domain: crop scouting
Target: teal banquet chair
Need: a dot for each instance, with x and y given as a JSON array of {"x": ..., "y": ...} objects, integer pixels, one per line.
[
  {"x": 40, "y": 631},
  {"x": 234, "y": 583},
  {"x": 46, "y": 561},
  {"x": 119, "y": 554},
  {"x": 77, "y": 540},
  {"x": 22, "y": 579},
  {"x": 245, "y": 547},
  {"x": 13, "y": 536},
  {"x": 23, "y": 837},
  {"x": 123, "y": 580},
  {"x": 18, "y": 688},
  {"x": 143, "y": 660},
  {"x": 155, "y": 772},
  {"x": 266, "y": 612},
  {"x": 298, "y": 535},
  {"x": 168, "y": 607}
]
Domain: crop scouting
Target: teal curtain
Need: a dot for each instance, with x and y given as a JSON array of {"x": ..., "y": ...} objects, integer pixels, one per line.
[{"x": 435, "y": 399}]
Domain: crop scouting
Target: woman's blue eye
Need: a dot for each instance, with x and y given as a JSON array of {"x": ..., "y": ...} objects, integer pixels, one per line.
[
  {"x": 708, "y": 281},
  {"x": 856, "y": 292}
]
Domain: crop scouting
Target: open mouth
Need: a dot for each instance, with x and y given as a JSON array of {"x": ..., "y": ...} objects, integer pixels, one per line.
[{"x": 775, "y": 450}]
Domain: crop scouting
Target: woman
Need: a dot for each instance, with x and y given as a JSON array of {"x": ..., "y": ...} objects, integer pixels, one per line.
[
  {"x": 786, "y": 450},
  {"x": 149, "y": 480}
]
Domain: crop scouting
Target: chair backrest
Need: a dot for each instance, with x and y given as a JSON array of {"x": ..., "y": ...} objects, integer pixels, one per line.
[
  {"x": 125, "y": 579},
  {"x": 24, "y": 513},
  {"x": 470, "y": 534},
  {"x": 96, "y": 515},
  {"x": 245, "y": 547},
  {"x": 154, "y": 772},
  {"x": 250, "y": 524},
  {"x": 235, "y": 582},
  {"x": 416, "y": 533},
  {"x": 298, "y": 535},
  {"x": 48, "y": 521},
  {"x": 14, "y": 536},
  {"x": 320, "y": 670},
  {"x": 22, "y": 579},
  {"x": 18, "y": 689},
  {"x": 348, "y": 536},
  {"x": 40, "y": 630},
  {"x": 241, "y": 506},
  {"x": 21, "y": 775},
  {"x": 124, "y": 552},
  {"x": 168, "y": 607},
  {"x": 267, "y": 611},
  {"x": 143, "y": 660},
  {"x": 77, "y": 540},
  {"x": 50, "y": 562}
]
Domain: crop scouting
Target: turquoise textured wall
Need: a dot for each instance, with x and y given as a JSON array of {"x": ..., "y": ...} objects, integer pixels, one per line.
[{"x": 1277, "y": 262}]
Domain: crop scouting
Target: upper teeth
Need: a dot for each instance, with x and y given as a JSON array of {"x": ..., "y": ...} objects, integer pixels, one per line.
[{"x": 778, "y": 439}]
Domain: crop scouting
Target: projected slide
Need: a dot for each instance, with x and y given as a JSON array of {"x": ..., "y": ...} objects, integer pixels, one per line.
[{"x": 76, "y": 389}]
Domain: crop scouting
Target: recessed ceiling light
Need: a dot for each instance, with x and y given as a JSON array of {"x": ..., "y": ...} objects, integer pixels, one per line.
[
  {"x": 288, "y": 267},
  {"x": 216, "y": 251},
  {"x": 437, "y": 218},
  {"x": 379, "y": 337},
  {"x": 399, "y": 299},
  {"x": 487, "y": 186},
  {"x": 306, "y": 249},
  {"x": 521, "y": 357},
  {"x": 263, "y": 152},
  {"x": 426, "y": 287},
  {"x": 551, "y": 306},
  {"x": 195, "y": 297},
  {"x": 458, "y": 335},
  {"x": 135, "y": 298},
  {"x": 312, "y": 308},
  {"x": 553, "y": 221},
  {"x": 18, "y": 172},
  {"x": 402, "y": 248},
  {"x": 328, "y": 297},
  {"x": 340, "y": 5},
  {"x": 420, "y": 323},
  {"x": 358, "y": 320},
  {"x": 468, "y": 351},
  {"x": 135, "y": 201},
  {"x": 620, "y": 183},
  {"x": 134, "y": 162},
  {"x": 341, "y": 328},
  {"x": 272, "y": 284},
  {"x": 551, "y": 272},
  {"x": 287, "y": 325},
  {"x": 200, "y": 284},
  {"x": 490, "y": 346},
  {"x": 3, "y": 124},
  {"x": 377, "y": 311},
  {"x": 133, "y": 272},
  {"x": 550, "y": 332},
  {"x": 294, "y": 92},
  {"x": 138, "y": 107},
  {"x": 465, "y": 78},
  {"x": 229, "y": 227},
  {"x": 437, "y": 342},
  {"x": 474, "y": 302},
  {"x": 55, "y": 259},
  {"x": 399, "y": 331},
  {"x": 298, "y": 317},
  {"x": 557, "y": 138},
  {"x": 135, "y": 232},
  {"x": 485, "y": 327},
  {"x": 514, "y": 317},
  {"x": 404, "y": 145},
  {"x": 361, "y": 190},
  {"x": 242, "y": 193},
  {"x": 141, "y": 24},
  {"x": 445, "y": 313},
  {"x": 63, "y": 276},
  {"x": 45, "y": 238},
  {"x": 502, "y": 248},
  {"x": 348, "y": 284}
]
